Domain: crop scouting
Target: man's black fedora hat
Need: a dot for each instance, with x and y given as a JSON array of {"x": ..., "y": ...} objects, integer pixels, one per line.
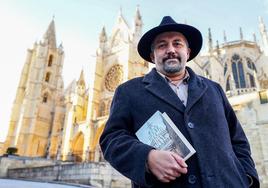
[{"x": 193, "y": 36}]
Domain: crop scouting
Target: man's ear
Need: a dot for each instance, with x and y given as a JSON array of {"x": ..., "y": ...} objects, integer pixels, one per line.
[
  {"x": 152, "y": 56},
  {"x": 188, "y": 53}
]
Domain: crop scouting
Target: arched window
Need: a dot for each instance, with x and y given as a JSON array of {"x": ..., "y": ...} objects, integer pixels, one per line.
[
  {"x": 234, "y": 70},
  {"x": 50, "y": 59},
  {"x": 254, "y": 67},
  {"x": 45, "y": 98},
  {"x": 238, "y": 72},
  {"x": 225, "y": 68},
  {"x": 102, "y": 109},
  {"x": 235, "y": 57},
  {"x": 251, "y": 65},
  {"x": 228, "y": 87},
  {"x": 252, "y": 81},
  {"x": 47, "y": 78},
  {"x": 241, "y": 75}
]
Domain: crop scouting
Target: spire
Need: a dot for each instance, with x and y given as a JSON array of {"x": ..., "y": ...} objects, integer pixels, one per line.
[
  {"x": 120, "y": 15},
  {"x": 262, "y": 25},
  {"x": 137, "y": 29},
  {"x": 120, "y": 18},
  {"x": 264, "y": 36},
  {"x": 254, "y": 38},
  {"x": 218, "y": 47},
  {"x": 224, "y": 37},
  {"x": 138, "y": 21},
  {"x": 50, "y": 35},
  {"x": 103, "y": 35},
  {"x": 241, "y": 33},
  {"x": 60, "y": 48},
  {"x": 210, "y": 43},
  {"x": 120, "y": 11},
  {"x": 81, "y": 80},
  {"x": 102, "y": 41}
]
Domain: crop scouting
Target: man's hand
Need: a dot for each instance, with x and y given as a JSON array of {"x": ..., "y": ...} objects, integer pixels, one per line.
[{"x": 166, "y": 165}]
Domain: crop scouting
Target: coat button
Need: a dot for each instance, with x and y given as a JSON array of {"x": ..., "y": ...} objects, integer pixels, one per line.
[
  {"x": 190, "y": 125},
  {"x": 192, "y": 179}
]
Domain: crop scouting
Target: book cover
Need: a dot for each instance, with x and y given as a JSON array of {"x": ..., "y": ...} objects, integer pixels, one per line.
[{"x": 160, "y": 132}]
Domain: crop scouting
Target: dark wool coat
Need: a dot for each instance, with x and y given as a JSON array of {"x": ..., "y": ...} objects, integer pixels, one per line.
[{"x": 222, "y": 158}]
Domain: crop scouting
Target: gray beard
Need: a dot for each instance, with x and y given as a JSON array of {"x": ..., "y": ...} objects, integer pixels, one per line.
[{"x": 172, "y": 69}]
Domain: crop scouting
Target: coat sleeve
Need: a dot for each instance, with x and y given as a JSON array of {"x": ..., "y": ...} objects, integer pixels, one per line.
[
  {"x": 239, "y": 141},
  {"x": 120, "y": 146}
]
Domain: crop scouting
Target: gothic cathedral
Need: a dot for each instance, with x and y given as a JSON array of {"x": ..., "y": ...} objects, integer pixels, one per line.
[
  {"x": 51, "y": 121},
  {"x": 65, "y": 124}
]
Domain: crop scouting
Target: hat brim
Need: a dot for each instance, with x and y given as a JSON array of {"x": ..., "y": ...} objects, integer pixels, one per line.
[{"x": 193, "y": 36}]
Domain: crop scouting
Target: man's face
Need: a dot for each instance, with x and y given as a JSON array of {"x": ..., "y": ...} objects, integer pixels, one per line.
[{"x": 170, "y": 53}]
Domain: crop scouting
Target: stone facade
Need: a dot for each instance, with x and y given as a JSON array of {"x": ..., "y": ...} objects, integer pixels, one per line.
[
  {"x": 37, "y": 103},
  {"x": 65, "y": 124}
]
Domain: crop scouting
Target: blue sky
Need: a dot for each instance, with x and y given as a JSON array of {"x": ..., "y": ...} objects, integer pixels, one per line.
[{"x": 79, "y": 22}]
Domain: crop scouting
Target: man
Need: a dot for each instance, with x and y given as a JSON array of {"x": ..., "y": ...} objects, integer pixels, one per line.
[{"x": 197, "y": 106}]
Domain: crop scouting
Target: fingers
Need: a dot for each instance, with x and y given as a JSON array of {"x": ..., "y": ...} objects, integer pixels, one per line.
[
  {"x": 177, "y": 169},
  {"x": 179, "y": 160},
  {"x": 180, "y": 166},
  {"x": 167, "y": 179},
  {"x": 173, "y": 172},
  {"x": 165, "y": 165},
  {"x": 169, "y": 176}
]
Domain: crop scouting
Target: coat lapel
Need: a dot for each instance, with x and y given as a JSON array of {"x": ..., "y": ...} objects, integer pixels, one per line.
[
  {"x": 157, "y": 85},
  {"x": 196, "y": 89}
]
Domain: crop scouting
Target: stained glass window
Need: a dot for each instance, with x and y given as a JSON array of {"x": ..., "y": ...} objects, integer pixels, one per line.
[
  {"x": 234, "y": 70},
  {"x": 228, "y": 88},
  {"x": 241, "y": 75},
  {"x": 251, "y": 81},
  {"x": 50, "y": 60}
]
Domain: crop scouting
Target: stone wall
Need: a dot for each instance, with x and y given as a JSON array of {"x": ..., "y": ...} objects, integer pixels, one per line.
[
  {"x": 21, "y": 162},
  {"x": 97, "y": 174}
]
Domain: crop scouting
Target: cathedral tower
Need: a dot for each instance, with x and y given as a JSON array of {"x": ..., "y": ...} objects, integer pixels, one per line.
[
  {"x": 264, "y": 36},
  {"x": 34, "y": 106},
  {"x": 117, "y": 61}
]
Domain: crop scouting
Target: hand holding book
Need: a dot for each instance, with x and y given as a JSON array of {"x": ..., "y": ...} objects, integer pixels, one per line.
[
  {"x": 161, "y": 133},
  {"x": 166, "y": 165}
]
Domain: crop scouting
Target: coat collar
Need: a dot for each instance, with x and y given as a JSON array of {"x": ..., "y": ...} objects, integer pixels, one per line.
[
  {"x": 196, "y": 89},
  {"x": 157, "y": 85}
]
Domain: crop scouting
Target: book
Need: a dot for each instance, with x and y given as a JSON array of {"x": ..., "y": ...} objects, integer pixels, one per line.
[{"x": 160, "y": 132}]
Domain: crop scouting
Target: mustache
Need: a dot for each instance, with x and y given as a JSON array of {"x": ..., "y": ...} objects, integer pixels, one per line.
[{"x": 171, "y": 56}]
